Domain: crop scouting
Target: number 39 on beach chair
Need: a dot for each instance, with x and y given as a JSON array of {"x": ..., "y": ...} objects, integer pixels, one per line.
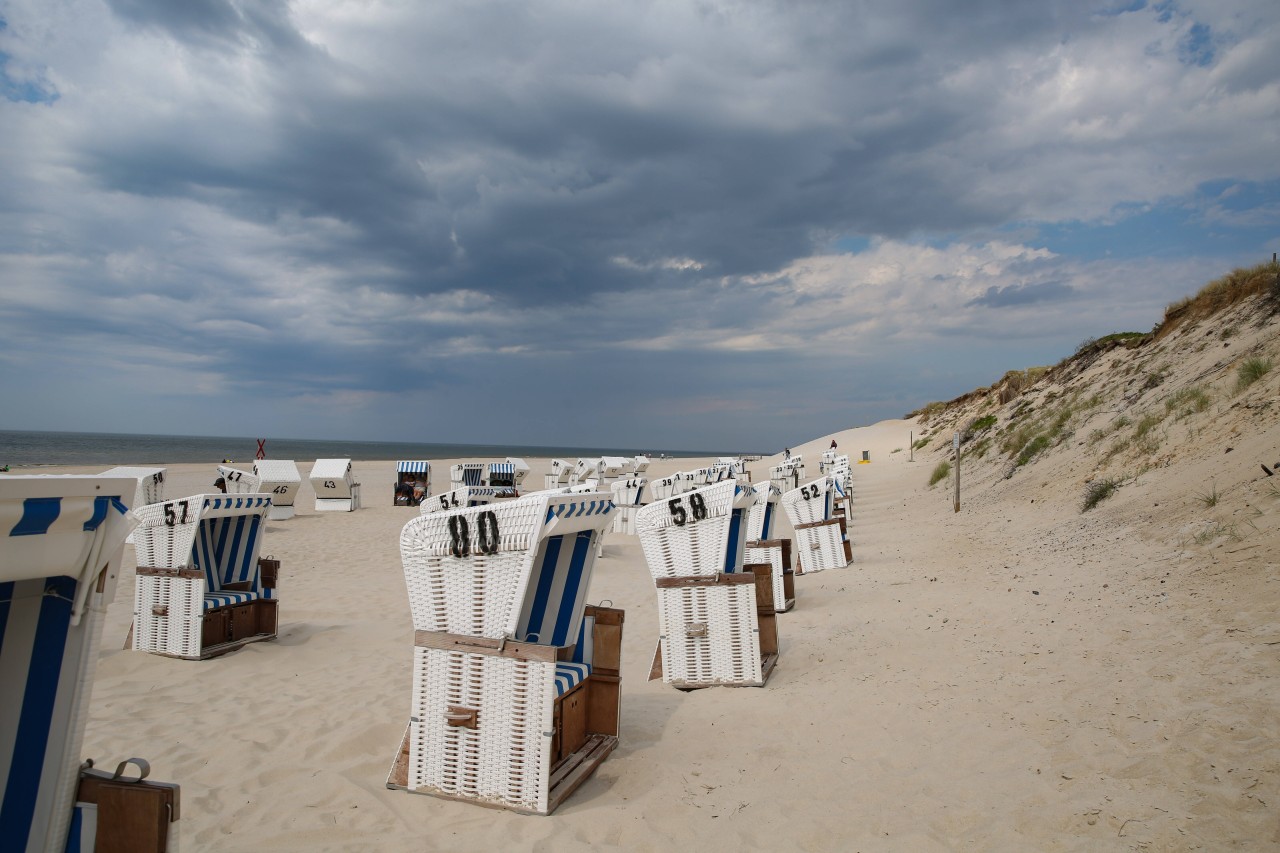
[
  {"x": 60, "y": 547},
  {"x": 515, "y": 682},
  {"x": 821, "y": 537},
  {"x": 201, "y": 589},
  {"x": 716, "y": 617}
]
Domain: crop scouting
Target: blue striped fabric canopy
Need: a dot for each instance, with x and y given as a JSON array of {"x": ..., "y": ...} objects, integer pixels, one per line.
[
  {"x": 552, "y": 615},
  {"x": 501, "y": 468},
  {"x": 413, "y": 467},
  {"x": 57, "y": 534}
]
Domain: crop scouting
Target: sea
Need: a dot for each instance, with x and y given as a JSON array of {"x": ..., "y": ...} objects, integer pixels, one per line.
[{"x": 18, "y": 448}]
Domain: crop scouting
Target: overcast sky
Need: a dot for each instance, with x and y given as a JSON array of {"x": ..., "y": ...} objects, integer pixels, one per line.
[{"x": 654, "y": 224}]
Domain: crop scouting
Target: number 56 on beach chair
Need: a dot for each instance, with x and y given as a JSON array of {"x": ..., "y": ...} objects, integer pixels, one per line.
[
  {"x": 716, "y": 617},
  {"x": 201, "y": 589},
  {"x": 515, "y": 681},
  {"x": 60, "y": 547}
]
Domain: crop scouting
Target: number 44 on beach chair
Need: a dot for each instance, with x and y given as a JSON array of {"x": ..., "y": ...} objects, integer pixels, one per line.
[{"x": 515, "y": 681}]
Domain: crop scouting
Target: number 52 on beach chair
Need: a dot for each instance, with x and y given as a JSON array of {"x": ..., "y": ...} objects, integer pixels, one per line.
[
  {"x": 821, "y": 537},
  {"x": 515, "y": 680}
]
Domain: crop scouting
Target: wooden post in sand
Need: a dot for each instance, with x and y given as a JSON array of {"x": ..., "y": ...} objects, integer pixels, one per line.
[{"x": 956, "y": 441}]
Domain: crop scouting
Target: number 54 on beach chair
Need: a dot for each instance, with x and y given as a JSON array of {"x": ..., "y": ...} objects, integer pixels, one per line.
[
  {"x": 515, "y": 681},
  {"x": 61, "y": 540}
]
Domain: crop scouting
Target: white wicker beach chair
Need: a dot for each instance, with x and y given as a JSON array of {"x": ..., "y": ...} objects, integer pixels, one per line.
[
  {"x": 281, "y": 479},
  {"x": 821, "y": 538},
  {"x": 335, "y": 486},
  {"x": 515, "y": 681},
  {"x": 628, "y": 496},
  {"x": 59, "y": 563},
  {"x": 763, "y": 547},
  {"x": 201, "y": 588},
  {"x": 500, "y": 474},
  {"x": 150, "y": 484},
  {"x": 468, "y": 474},
  {"x": 413, "y": 483},
  {"x": 640, "y": 463},
  {"x": 239, "y": 482},
  {"x": 716, "y": 617}
]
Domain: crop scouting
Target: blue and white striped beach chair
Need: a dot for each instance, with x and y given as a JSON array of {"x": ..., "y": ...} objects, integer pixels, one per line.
[
  {"x": 764, "y": 547},
  {"x": 516, "y": 680},
  {"x": 201, "y": 590},
  {"x": 822, "y": 541},
  {"x": 716, "y": 616},
  {"x": 60, "y": 548}
]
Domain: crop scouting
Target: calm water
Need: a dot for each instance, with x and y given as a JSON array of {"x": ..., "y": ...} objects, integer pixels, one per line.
[{"x": 88, "y": 448}]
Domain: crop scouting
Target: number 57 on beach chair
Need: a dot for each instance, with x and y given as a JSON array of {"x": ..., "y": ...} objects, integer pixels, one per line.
[
  {"x": 60, "y": 547},
  {"x": 201, "y": 589},
  {"x": 716, "y": 618},
  {"x": 515, "y": 681}
]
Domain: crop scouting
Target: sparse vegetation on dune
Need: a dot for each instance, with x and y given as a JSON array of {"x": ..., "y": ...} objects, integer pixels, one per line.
[
  {"x": 1234, "y": 287},
  {"x": 1098, "y": 491},
  {"x": 1250, "y": 371},
  {"x": 940, "y": 472}
]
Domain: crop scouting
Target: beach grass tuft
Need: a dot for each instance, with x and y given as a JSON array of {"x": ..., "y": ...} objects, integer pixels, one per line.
[
  {"x": 940, "y": 472},
  {"x": 1098, "y": 491},
  {"x": 1251, "y": 370}
]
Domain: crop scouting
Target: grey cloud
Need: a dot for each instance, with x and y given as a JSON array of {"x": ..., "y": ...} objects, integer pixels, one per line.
[{"x": 1024, "y": 294}]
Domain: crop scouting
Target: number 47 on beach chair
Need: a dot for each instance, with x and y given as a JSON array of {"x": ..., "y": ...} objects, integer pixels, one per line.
[{"x": 515, "y": 680}]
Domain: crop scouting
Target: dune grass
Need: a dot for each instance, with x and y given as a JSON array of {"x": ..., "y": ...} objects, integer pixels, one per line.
[
  {"x": 1250, "y": 371},
  {"x": 1097, "y": 492},
  {"x": 940, "y": 472}
]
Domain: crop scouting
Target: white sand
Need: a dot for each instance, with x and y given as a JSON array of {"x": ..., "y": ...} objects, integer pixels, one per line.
[{"x": 1017, "y": 677}]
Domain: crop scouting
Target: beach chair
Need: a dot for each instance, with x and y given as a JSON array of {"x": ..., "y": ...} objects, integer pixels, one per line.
[
  {"x": 201, "y": 589},
  {"x": 628, "y": 497},
  {"x": 520, "y": 470},
  {"x": 280, "y": 479},
  {"x": 239, "y": 482},
  {"x": 611, "y": 468},
  {"x": 61, "y": 540},
  {"x": 717, "y": 623},
  {"x": 150, "y": 484},
  {"x": 640, "y": 464},
  {"x": 467, "y": 496},
  {"x": 820, "y": 534},
  {"x": 335, "y": 486},
  {"x": 561, "y": 471},
  {"x": 467, "y": 474},
  {"x": 501, "y": 475},
  {"x": 413, "y": 483},
  {"x": 762, "y": 547},
  {"x": 516, "y": 682}
]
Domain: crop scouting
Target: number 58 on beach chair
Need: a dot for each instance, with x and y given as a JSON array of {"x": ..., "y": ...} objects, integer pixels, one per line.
[
  {"x": 60, "y": 547},
  {"x": 515, "y": 681},
  {"x": 716, "y": 617},
  {"x": 201, "y": 589}
]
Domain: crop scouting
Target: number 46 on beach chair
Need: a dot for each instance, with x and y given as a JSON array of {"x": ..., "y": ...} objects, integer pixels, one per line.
[{"x": 515, "y": 680}]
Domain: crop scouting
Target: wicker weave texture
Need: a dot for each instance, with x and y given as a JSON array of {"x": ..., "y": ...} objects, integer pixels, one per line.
[
  {"x": 822, "y": 546},
  {"x": 167, "y": 615},
  {"x": 809, "y": 503},
  {"x": 772, "y": 555},
  {"x": 696, "y": 547},
  {"x": 505, "y": 759},
  {"x": 710, "y": 635}
]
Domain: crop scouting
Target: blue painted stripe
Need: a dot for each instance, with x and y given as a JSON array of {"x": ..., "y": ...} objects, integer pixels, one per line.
[
  {"x": 546, "y": 574},
  {"x": 32, "y": 738},
  {"x": 731, "y": 552},
  {"x": 38, "y": 515},
  {"x": 569, "y": 598},
  {"x": 231, "y": 559},
  {"x": 768, "y": 520}
]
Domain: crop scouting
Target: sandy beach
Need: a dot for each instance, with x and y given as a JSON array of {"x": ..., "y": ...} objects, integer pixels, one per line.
[{"x": 1015, "y": 676}]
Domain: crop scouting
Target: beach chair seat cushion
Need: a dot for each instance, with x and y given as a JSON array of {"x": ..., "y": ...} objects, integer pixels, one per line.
[
  {"x": 223, "y": 598},
  {"x": 569, "y": 675}
]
